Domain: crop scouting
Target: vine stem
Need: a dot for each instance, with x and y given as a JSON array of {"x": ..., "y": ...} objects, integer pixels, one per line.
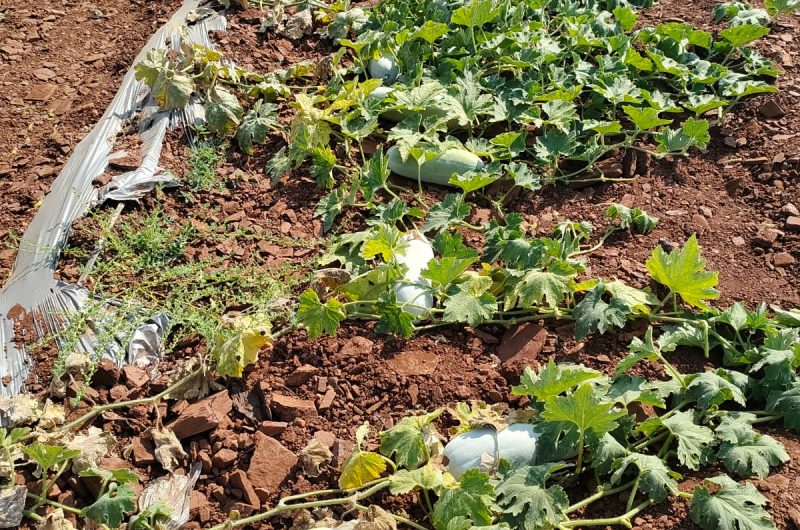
[
  {"x": 624, "y": 519},
  {"x": 603, "y": 492},
  {"x": 99, "y": 409},
  {"x": 53, "y": 503},
  {"x": 282, "y": 506}
]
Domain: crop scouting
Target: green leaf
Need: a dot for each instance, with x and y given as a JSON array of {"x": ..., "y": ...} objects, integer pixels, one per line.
[
  {"x": 526, "y": 502},
  {"x": 331, "y": 206},
  {"x": 361, "y": 466},
  {"x": 626, "y": 17},
  {"x": 683, "y": 272},
  {"x": 236, "y": 347},
  {"x": 430, "y": 31},
  {"x": 474, "y": 180},
  {"x": 317, "y": 317},
  {"x": 223, "y": 111},
  {"x": 694, "y": 440},
  {"x": 552, "y": 380},
  {"x": 739, "y": 36},
  {"x": 554, "y": 144},
  {"x": 607, "y": 452},
  {"x": 111, "y": 508},
  {"x": 639, "y": 351},
  {"x": 584, "y": 409},
  {"x": 776, "y": 7},
  {"x": 49, "y": 456},
  {"x": 747, "y": 453},
  {"x": 393, "y": 318},
  {"x": 425, "y": 478},
  {"x": 472, "y": 497},
  {"x": 733, "y": 507},
  {"x": 787, "y": 403},
  {"x": 655, "y": 478},
  {"x": 449, "y": 211},
  {"x": 470, "y": 302},
  {"x": 645, "y": 118},
  {"x": 385, "y": 241},
  {"x": 626, "y": 389},
  {"x": 259, "y": 120},
  {"x": 120, "y": 476},
  {"x": 374, "y": 174},
  {"x": 631, "y": 218},
  {"x": 637, "y": 300},
  {"x": 692, "y": 133},
  {"x": 170, "y": 88},
  {"x": 711, "y": 389},
  {"x": 535, "y": 287},
  {"x": 475, "y": 14},
  {"x": 442, "y": 272},
  {"x": 406, "y": 440},
  {"x": 278, "y": 166},
  {"x": 593, "y": 314}
]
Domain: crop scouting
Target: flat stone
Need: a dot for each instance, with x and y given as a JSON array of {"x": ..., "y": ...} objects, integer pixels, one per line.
[
  {"x": 327, "y": 400},
  {"x": 700, "y": 223},
  {"x": 238, "y": 479},
  {"x": 766, "y": 237},
  {"x": 790, "y": 209},
  {"x": 783, "y": 259},
  {"x": 357, "y": 346},
  {"x": 273, "y": 428},
  {"x": 203, "y": 415},
  {"x": 143, "y": 452},
  {"x": 520, "y": 347},
  {"x": 289, "y": 408},
  {"x": 271, "y": 463},
  {"x": 326, "y": 438},
  {"x": 414, "y": 362},
  {"x": 301, "y": 375},
  {"x": 134, "y": 376},
  {"x": 793, "y": 223},
  {"x": 224, "y": 458},
  {"x": 41, "y": 92},
  {"x": 106, "y": 373},
  {"x": 738, "y": 241},
  {"x": 772, "y": 110}
]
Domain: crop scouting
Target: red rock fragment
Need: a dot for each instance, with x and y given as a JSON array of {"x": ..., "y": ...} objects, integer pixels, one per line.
[
  {"x": 520, "y": 348},
  {"x": 203, "y": 415},
  {"x": 271, "y": 463},
  {"x": 289, "y": 408},
  {"x": 301, "y": 376},
  {"x": 238, "y": 479}
]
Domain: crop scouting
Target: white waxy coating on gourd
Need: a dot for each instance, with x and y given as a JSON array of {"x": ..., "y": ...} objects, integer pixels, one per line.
[
  {"x": 381, "y": 92},
  {"x": 437, "y": 170},
  {"x": 517, "y": 444},
  {"x": 412, "y": 290},
  {"x": 385, "y": 69}
]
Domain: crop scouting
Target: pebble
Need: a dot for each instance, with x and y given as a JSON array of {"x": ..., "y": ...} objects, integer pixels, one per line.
[
  {"x": 793, "y": 223},
  {"x": 772, "y": 110},
  {"x": 737, "y": 241},
  {"x": 790, "y": 209},
  {"x": 783, "y": 259}
]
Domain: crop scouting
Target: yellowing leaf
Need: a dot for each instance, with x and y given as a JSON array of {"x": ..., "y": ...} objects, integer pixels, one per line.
[
  {"x": 360, "y": 468},
  {"x": 234, "y": 352}
]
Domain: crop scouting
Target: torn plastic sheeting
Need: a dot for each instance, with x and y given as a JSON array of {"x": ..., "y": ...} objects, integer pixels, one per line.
[{"x": 32, "y": 285}]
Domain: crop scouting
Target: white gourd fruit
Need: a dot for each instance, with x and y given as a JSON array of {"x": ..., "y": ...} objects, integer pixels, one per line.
[
  {"x": 385, "y": 69},
  {"x": 480, "y": 447},
  {"x": 412, "y": 290}
]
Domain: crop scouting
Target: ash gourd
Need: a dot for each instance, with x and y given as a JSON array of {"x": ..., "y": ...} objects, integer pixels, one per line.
[
  {"x": 413, "y": 292},
  {"x": 437, "y": 170},
  {"x": 483, "y": 448}
]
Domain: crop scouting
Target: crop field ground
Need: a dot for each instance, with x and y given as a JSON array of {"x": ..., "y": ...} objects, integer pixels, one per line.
[{"x": 593, "y": 203}]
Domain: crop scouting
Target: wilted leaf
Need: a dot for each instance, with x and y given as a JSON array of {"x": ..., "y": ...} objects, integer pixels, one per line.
[
  {"x": 93, "y": 446},
  {"x": 313, "y": 456},
  {"x": 168, "y": 451}
]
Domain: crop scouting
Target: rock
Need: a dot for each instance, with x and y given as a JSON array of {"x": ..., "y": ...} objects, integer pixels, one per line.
[
  {"x": 301, "y": 376},
  {"x": 41, "y": 92},
  {"x": 288, "y": 408},
  {"x": 738, "y": 241},
  {"x": 793, "y": 223},
  {"x": 341, "y": 450},
  {"x": 143, "y": 452},
  {"x": 106, "y": 373},
  {"x": 271, "y": 463},
  {"x": 273, "y": 428},
  {"x": 299, "y": 24},
  {"x": 783, "y": 259},
  {"x": 118, "y": 393},
  {"x": 700, "y": 223},
  {"x": 134, "y": 376},
  {"x": 766, "y": 237},
  {"x": 198, "y": 503},
  {"x": 790, "y": 209},
  {"x": 326, "y": 438},
  {"x": 641, "y": 411},
  {"x": 327, "y": 400},
  {"x": 707, "y": 212},
  {"x": 238, "y": 479},
  {"x": 772, "y": 110},
  {"x": 794, "y": 516},
  {"x": 203, "y": 415},
  {"x": 520, "y": 348},
  {"x": 357, "y": 346},
  {"x": 414, "y": 362},
  {"x": 224, "y": 458}
]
